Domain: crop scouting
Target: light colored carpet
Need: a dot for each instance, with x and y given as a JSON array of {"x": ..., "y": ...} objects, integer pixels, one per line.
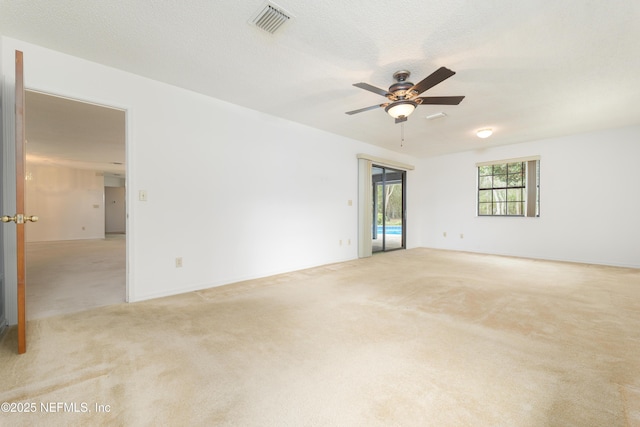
[
  {"x": 75, "y": 275},
  {"x": 408, "y": 338}
]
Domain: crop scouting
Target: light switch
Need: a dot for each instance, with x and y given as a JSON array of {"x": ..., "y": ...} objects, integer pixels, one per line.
[{"x": 142, "y": 195}]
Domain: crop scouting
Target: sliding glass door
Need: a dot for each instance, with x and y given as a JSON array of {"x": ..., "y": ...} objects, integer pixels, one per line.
[{"x": 388, "y": 230}]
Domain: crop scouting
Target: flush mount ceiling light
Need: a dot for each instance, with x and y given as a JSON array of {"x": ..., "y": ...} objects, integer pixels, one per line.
[
  {"x": 484, "y": 133},
  {"x": 401, "y": 109}
]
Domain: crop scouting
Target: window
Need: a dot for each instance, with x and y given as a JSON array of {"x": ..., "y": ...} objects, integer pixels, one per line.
[{"x": 509, "y": 188}]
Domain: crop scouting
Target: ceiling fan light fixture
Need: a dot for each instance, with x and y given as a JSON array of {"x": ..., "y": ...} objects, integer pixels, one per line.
[
  {"x": 400, "y": 109},
  {"x": 404, "y": 95},
  {"x": 484, "y": 133}
]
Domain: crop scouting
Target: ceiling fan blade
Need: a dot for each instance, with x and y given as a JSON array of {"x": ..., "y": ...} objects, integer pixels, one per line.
[
  {"x": 373, "y": 107},
  {"x": 367, "y": 86},
  {"x": 401, "y": 119},
  {"x": 438, "y": 76},
  {"x": 441, "y": 100}
]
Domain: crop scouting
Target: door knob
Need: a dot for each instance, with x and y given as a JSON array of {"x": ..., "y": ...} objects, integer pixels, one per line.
[
  {"x": 19, "y": 218},
  {"x": 6, "y": 218}
]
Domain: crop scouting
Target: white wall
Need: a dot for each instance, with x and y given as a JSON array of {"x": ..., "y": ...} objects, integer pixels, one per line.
[
  {"x": 68, "y": 203},
  {"x": 589, "y": 201},
  {"x": 236, "y": 193}
]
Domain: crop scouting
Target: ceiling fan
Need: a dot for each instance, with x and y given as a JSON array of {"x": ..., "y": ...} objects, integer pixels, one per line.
[{"x": 404, "y": 95}]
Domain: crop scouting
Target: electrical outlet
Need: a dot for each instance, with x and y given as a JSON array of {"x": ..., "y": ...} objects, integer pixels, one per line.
[
  {"x": 179, "y": 262},
  {"x": 340, "y": 242},
  {"x": 349, "y": 242},
  {"x": 461, "y": 236}
]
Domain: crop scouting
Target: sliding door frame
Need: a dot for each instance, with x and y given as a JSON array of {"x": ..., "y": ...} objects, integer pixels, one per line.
[
  {"x": 365, "y": 199},
  {"x": 386, "y": 170}
]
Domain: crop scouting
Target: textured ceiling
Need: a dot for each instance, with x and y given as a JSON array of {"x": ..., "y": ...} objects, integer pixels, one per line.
[{"x": 530, "y": 69}]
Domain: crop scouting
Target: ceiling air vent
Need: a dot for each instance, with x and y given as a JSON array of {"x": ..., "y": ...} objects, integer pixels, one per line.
[{"x": 270, "y": 17}]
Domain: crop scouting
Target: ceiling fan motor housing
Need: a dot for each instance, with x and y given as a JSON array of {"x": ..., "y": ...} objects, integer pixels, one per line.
[{"x": 400, "y": 88}]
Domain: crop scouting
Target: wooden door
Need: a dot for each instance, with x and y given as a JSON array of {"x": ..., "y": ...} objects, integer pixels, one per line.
[
  {"x": 20, "y": 237},
  {"x": 20, "y": 218}
]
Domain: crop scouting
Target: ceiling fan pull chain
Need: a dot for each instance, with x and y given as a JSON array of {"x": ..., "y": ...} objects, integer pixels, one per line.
[{"x": 402, "y": 134}]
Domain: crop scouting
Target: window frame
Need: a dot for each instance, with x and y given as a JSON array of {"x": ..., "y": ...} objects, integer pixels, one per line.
[{"x": 528, "y": 183}]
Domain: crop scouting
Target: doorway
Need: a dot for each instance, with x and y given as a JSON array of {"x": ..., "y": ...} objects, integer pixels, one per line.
[
  {"x": 388, "y": 231},
  {"x": 75, "y": 152}
]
